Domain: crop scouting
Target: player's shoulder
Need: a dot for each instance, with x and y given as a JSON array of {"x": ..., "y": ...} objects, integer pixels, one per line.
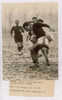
[
  {"x": 13, "y": 27},
  {"x": 37, "y": 24}
]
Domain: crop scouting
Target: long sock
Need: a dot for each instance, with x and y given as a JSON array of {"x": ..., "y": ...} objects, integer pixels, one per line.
[{"x": 20, "y": 48}]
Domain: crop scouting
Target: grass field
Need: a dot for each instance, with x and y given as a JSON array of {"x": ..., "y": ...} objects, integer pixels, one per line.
[{"x": 18, "y": 67}]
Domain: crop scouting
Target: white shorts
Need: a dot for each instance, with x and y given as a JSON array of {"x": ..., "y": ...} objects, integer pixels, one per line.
[{"x": 43, "y": 40}]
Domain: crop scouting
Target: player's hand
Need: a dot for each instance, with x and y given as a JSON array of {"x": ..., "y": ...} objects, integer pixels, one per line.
[{"x": 27, "y": 38}]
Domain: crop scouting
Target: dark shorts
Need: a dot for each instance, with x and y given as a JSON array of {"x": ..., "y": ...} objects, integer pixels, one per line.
[{"x": 18, "y": 38}]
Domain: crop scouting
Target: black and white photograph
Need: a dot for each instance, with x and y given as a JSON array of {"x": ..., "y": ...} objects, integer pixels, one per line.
[{"x": 30, "y": 41}]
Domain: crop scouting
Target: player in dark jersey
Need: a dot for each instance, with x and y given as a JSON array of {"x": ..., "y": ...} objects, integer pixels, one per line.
[
  {"x": 38, "y": 27},
  {"x": 17, "y": 35},
  {"x": 36, "y": 32},
  {"x": 40, "y": 33}
]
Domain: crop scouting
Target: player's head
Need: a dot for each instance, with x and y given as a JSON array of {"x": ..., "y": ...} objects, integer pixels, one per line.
[
  {"x": 25, "y": 26},
  {"x": 17, "y": 22},
  {"x": 34, "y": 19}
]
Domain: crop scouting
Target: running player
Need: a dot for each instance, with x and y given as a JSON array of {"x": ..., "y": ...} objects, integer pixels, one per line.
[
  {"x": 40, "y": 34},
  {"x": 18, "y": 38},
  {"x": 36, "y": 32}
]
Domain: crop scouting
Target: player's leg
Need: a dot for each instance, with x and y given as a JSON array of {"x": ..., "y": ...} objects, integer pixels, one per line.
[
  {"x": 44, "y": 51},
  {"x": 45, "y": 48},
  {"x": 20, "y": 43},
  {"x": 34, "y": 55},
  {"x": 20, "y": 46}
]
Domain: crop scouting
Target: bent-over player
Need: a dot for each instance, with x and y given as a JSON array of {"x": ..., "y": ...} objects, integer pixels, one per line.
[{"x": 37, "y": 32}]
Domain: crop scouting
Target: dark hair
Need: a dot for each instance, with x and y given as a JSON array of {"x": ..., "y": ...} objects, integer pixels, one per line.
[
  {"x": 40, "y": 20},
  {"x": 25, "y": 24},
  {"x": 34, "y": 17}
]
